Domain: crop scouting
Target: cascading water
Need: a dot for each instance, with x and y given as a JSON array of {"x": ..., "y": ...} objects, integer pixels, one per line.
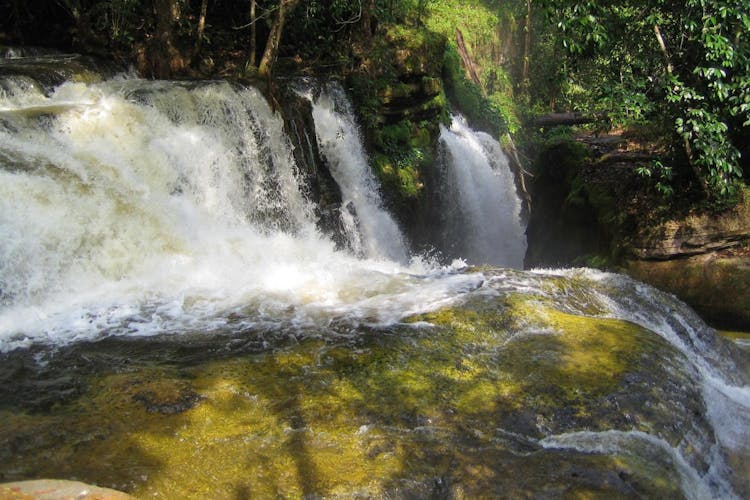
[
  {"x": 372, "y": 231},
  {"x": 135, "y": 207},
  {"x": 131, "y": 208},
  {"x": 722, "y": 378},
  {"x": 480, "y": 208}
]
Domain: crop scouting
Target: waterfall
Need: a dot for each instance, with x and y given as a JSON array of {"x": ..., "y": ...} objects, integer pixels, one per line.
[
  {"x": 131, "y": 207},
  {"x": 371, "y": 230},
  {"x": 480, "y": 209}
]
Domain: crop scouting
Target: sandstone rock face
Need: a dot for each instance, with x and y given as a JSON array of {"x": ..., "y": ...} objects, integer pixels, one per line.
[
  {"x": 590, "y": 209},
  {"x": 717, "y": 287},
  {"x": 704, "y": 259},
  {"x": 694, "y": 234}
]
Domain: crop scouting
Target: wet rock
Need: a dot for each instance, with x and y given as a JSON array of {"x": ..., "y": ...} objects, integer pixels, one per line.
[
  {"x": 717, "y": 286},
  {"x": 167, "y": 397},
  {"x": 506, "y": 394}
]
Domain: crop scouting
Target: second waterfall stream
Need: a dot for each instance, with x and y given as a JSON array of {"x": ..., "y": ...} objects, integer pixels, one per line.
[{"x": 481, "y": 208}]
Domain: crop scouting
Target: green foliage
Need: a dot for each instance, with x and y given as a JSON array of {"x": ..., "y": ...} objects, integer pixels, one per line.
[
  {"x": 686, "y": 63},
  {"x": 660, "y": 174},
  {"x": 118, "y": 18},
  {"x": 485, "y": 26},
  {"x": 504, "y": 105},
  {"x": 482, "y": 112},
  {"x": 405, "y": 149},
  {"x": 475, "y": 17},
  {"x": 364, "y": 93}
]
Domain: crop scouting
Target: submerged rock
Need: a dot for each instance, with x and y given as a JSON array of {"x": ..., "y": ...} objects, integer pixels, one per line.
[{"x": 534, "y": 385}]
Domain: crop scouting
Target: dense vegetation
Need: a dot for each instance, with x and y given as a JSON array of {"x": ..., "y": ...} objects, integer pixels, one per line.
[
  {"x": 681, "y": 67},
  {"x": 679, "y": 72}
]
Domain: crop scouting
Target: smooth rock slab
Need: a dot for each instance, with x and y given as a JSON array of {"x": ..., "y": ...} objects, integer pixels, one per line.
[{"x": 58, "y": 489}]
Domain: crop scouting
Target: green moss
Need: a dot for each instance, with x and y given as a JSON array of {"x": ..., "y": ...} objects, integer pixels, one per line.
[
  {"x": 468, "y": 97},
  {"x": 563, "y": 154},
  {"x": 404, "y": 149},
  {"x": 401, "y": 102},
  {"x": 417, "y": 51},
  {"x": 324, "y": 419}
]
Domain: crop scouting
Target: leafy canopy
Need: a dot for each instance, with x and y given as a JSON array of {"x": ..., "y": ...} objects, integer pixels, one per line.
[{"x": 686, "y": 63}]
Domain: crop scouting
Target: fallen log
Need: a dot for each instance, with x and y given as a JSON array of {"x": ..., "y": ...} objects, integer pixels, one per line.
[
  {"x": 571, "y": 118},
  {"x": 626, "y": 157}
]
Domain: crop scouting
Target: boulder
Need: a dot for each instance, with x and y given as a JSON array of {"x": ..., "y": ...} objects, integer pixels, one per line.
[{"x": 58, "y": 489}]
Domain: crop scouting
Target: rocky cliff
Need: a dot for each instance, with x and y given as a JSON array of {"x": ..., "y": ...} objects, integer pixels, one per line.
[{"x": 591, "y": 208}]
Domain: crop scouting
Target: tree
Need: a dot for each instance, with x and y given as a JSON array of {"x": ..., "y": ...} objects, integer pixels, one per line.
[
  {"x": 368, "y": 17},
  {"x": 165, "y": 58},
  {"x": 526, "y": 46},
  {"x": 685, "y": 62},
  {"x": 200, "y": 30},
  {"x": 271, "y": 52},
  {"x": 253, "y": 34}
]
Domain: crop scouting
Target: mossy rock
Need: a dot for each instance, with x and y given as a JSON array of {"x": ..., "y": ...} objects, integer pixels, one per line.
[
  {"x": 417, "y": 50},
  {"x": 474, "y": 400}
]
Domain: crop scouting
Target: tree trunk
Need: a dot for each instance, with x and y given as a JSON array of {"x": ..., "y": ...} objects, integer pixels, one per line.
[
  {"x": 166, "y": 59},
  {"x": 368, "y": 18},
  {"x": 571, "y": 118},
  {"x": 200, "y": 30},
  {"x": 519, "y": 174},
  {"x": 526, "y": 46},
  {"x": 663, "y": 47},
  {"x": 17, "y": 28},
  {"x": 271, "y": 52},
  {"x": 468, "y": 63},
  {"x": 252, "y": 57},
  {"x": 688, "y": 147}
]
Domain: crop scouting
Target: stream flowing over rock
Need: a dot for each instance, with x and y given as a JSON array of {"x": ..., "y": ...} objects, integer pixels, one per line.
[
  {"x": 589, "y": 208},
  {"x": 193, "y": 307}
]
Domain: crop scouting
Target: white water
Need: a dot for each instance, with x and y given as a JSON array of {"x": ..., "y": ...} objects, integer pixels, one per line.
[
  {"x": 137, "y": 208},
  {"x": 371, "y": 229},
  {"x": 487, "y": 223},
  {"x": 724, "y": 385},
  {"x": 141, "y": 207}
]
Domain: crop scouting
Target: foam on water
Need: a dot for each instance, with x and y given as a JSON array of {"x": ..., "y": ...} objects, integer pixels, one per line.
[
  {"x": 145, "y": 207},
  {"x": 724, "y": 385}
]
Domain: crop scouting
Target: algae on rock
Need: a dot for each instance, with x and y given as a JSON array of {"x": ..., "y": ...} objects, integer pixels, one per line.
[{"x": 459, "y": 401}]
